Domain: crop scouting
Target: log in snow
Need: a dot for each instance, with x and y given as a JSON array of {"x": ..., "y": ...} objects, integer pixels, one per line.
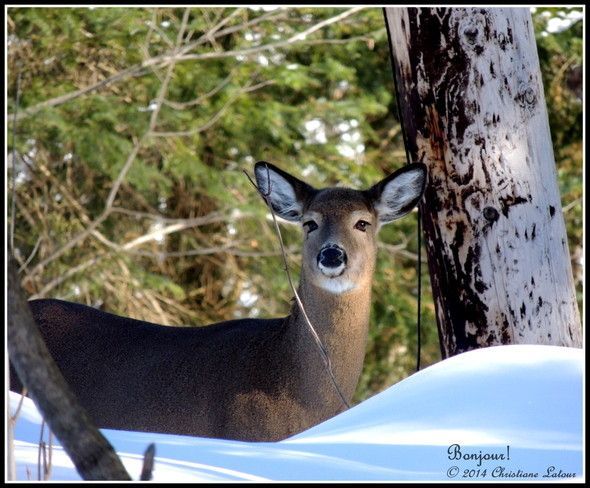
[{"x": 473, "y": 110}]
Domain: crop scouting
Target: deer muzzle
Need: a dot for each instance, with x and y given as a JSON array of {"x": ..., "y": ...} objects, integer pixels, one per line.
[{"x": 332, "y": 260}]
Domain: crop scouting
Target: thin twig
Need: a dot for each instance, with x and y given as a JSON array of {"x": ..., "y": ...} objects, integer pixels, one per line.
[
  {"x": 265, "y": 47},
  {"x": 119, "y": 180},
  {"x": 272, "y": 15},
  {"x": 71, "y": 243},
  {"x": 71, "y": 272},
  {"x": 122, "y": 174},
  {"x": 39, "y": 451},
  {"x": 216, "y": 116},
  {"x": 171, "y": 57},
  {"x": 32, "y": 255},
  {"x": 200, "y": 99},
  {"x": 11, "y": 424},
  {"x": 572, "y": 204},
  {"x": 324, "y": 23},
  {"x": 154, "y": 27},
  {"x": 148, "y": 463},
  {"x": 23, "y": 393},
  {"x": 318, "y": 341},
  {"x": 401, "y": 250},
  {"x": 13, "y": 203},
  {"x": 210, "y": 34},
  {"x": 49, "y": 456}
]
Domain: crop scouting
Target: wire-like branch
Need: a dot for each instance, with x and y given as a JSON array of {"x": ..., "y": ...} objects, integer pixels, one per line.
[
  {"x": 266, "y": 47},
  {"x": 150, "y": 236},
  {"x": 316, "y": 337}
]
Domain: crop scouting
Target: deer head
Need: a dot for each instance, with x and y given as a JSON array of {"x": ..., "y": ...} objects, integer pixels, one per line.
[{"x": 340, "y": 225}]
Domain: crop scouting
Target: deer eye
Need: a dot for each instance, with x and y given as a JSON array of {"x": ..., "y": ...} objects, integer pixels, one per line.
[
  {"x": 311, "y": 225},
  {"x": 361, "y": 225}
]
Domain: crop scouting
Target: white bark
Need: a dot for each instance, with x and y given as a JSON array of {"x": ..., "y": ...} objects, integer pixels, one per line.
[{"x": 473, "y": 110}]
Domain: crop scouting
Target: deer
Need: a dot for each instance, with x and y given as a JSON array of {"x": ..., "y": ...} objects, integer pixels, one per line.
[{"x": 250, "y": 379}]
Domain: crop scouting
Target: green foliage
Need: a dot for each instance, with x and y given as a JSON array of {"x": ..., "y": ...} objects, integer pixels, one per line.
[{"x": 219, "y": 115}]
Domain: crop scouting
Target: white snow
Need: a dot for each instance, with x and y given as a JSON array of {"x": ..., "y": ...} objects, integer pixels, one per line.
[{"x": 515, "y": 412}]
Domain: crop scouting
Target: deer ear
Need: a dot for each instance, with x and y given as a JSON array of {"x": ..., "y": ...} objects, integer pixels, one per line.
[
  {"x": 285, "y": 193},
  {"x": 394, "y": 196}
]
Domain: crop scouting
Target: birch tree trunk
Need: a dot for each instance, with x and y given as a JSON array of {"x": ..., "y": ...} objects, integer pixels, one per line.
[{"x": 473, "y": 110}]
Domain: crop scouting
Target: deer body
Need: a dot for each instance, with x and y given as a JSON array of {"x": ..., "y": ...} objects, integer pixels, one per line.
[{"x": 249, "y": 379}]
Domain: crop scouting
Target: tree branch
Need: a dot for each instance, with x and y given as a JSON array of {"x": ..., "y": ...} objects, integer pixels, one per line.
[
  {"x": 181, "y": 55},
  {"x": 324, "y": 23},
  {"x": 201, "y": 98},
  {"x": 216, "y": 116},
  {"x": 90, "y": 452},
  {"x": 130, "y": 159}
]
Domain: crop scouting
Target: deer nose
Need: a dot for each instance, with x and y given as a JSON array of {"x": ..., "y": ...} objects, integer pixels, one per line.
[{"x": 332, "y": 256}]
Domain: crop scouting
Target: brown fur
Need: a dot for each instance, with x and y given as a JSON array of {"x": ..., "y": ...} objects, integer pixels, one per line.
[{"x": 250, "y": 379}]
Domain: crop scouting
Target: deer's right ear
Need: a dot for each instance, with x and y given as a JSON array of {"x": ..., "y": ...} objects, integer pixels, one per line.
[
  {"x": 284, "y": 192},
  {"x": 397, "y": 194}
]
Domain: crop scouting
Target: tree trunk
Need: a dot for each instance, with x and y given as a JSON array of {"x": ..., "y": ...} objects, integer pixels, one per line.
[{"x": 473, "y": 110}]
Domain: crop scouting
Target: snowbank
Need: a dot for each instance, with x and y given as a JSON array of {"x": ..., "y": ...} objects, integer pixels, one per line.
[{"x": 502, "y": 413}]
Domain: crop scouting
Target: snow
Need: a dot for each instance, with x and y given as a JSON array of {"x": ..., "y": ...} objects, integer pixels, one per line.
[{"x": 515, "y": 413}]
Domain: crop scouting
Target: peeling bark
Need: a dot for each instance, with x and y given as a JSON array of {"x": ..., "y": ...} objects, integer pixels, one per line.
[{"x": 473, "y": 110}]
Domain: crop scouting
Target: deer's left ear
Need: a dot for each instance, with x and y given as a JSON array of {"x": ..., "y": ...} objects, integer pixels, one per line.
[
  {"x": 286, "y": 194},
  {"x": 394, "y": 196}
]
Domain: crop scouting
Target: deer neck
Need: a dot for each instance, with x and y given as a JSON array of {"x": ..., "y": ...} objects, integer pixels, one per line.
[{"x": 341, "y": 320}]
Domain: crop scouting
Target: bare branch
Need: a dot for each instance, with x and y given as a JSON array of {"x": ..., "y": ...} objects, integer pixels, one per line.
[
  {"x": 71, "y": 243},
  {"x": 266, "y": 47},
  {"x": 181, "y": 55},
  {"x": 210, "y": 34},
  {"x": 303, "y": 35},
  {"x": 41, "y": 452},
  {"x": 211, "y": 218},
  {"x": 123, "y": 173},
  {"x": 572, "y": 204},
  {"x": 32, "y": 255},
  {"x": 216, "y": 116},
  {"x": 71, "y": 272},
  {"x": 10, "y": 424},
  {"x": 200, "y": 99},
  {"x": 258, "y": 86},
  {"x": 154, "y": 27},
  {"x": 134, "y": 70},
  {"x": 316, "y": 337},
  {"x": 272, "y": 15},
  {"x": 399, "y": 249}
]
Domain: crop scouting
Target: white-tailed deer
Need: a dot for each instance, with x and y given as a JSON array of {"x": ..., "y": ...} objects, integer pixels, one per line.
[{"x": 249, "y": 379}]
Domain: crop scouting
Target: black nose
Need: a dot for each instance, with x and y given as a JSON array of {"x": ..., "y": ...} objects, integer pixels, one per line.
[{"x": 332, "y": 256}]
